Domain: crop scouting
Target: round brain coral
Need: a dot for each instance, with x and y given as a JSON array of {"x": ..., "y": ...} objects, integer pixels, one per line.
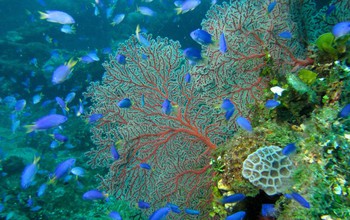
[{"x": 268, "y": 169}]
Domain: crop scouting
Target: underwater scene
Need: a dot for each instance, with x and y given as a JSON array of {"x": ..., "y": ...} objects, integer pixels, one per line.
[{"x": 175, "y": 109}]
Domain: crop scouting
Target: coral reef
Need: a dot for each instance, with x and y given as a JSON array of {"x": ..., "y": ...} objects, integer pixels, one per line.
[
  {"x": 268, "y": 169},
  {"x": 177, "y": 145}
]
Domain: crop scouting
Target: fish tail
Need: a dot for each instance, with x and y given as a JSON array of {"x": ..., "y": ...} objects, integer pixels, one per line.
[
  {"x": 214, "y": 45},
  {"x": 73, "y": 29},
  {"x": 52, "y": 181},
  {"x": 36, "y": 160},
  {"x": 43, "y": 15},
  {"x": 178, "y": 10},
  {"x": 72, "y": 62},
  {"x": 118, "y": 143},
  {"x": 217, "y": 106},
  {"x": 29, "y": 128},
  {"x": 106, "y": 195},
  {"x": 138, "y": 30}
]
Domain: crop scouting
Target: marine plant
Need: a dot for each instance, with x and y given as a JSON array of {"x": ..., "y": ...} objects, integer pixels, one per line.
[{"x": 174, "y": 140}]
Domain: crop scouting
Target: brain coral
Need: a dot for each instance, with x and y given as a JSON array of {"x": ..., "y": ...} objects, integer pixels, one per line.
[{"x": 268, "y": 169}]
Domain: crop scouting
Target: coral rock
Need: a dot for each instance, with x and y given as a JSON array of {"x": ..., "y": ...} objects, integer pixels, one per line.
[{"x": 268, "y": 169}]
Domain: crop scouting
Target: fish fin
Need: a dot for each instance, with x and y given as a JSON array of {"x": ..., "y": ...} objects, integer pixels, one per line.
[
  {"x": 106, "y": 195},
  {"x": 43, "y": 15},
  {"x": 214, "y": 45},
  {"x": 36, "y": 159},
  {"x": 52, "y": 181},
  {"x": 178, "y": 10},
  {"x": 72, "y": 62},
  {"x": 29, "y": 128}
]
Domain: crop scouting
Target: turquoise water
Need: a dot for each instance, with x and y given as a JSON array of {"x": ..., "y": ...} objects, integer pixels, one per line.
[{"x": 176, "y": 142}]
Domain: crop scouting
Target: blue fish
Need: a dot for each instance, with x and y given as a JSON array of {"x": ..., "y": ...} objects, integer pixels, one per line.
[
  {"x": 285, "y": 35},
  {"x": 41, "y": 190},
  {"x": 29, "y": 173},
  {"x": 44, "y": 104},
  {"x": 166, "y": 107},
  {"x": 227, "y": 105},
  {"x": 288, "y": 196},
  {"x": 94, "y": 195},
  {"x": 80, "y": 110},
  {"x": 192, "y": 211},
  {"x": 57, "y": 17},
  {"x": 143, "y": 205},
  {"x": 244, "y": 123},
  {"x": 146, "y": 11},
  {"x": 69, "y": 98},
  {"x": 124, "y": 103},
  {"x": 37, "y": 98},
  {"x": 271, "y": 6},
  {"x": 174, "y": 208},
  {"x": 54, "y": 144},
  {"x": 268, "y": 210},
  {"x": 345, "y": 111},
  {"x": 142, "y": 40},
  {"x": 114, "y": 153},
  {"x": 289, "y": 149},
  {"x": 20, "y": 104},
  {"x": 297, "y": 197},
  {"x": 271, "y": 104},
  {"x": 95, "y": 117},
  {"x": 78, "y": 172},
  {"x": 186, "y": 5},
  {"x": 106, "y": 50},
  {"x": 233, "y": 198},
  {"x": 236, "y": 216},
  {"x": 229, "y": 114},
  {"x": 30, "y": 202},
  {"x": 145, "y": 166},
  {"x": 60, "y": 137},
  {"x": 188, "y": 78},
  {"x": 222, "y": 43},
  {"x": 62, "y": 72},
  {"x": 35, "y": 208},
  {"x": 117, "y": 19},
  {"x": 115, "y": 215},
  {"x": 86, "y": 59},
  {"x": 46, "y": 122},
  {"x": 160, "y": 213},
  {"x": 62, "y": 104},
  {"x": 62, "y": 169},
  {"x": 121, "y": 59},
  {"x": 193, "y": 54},
  {"x": 201, "y": 36},
  {"x": 330, "y": 9}
]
